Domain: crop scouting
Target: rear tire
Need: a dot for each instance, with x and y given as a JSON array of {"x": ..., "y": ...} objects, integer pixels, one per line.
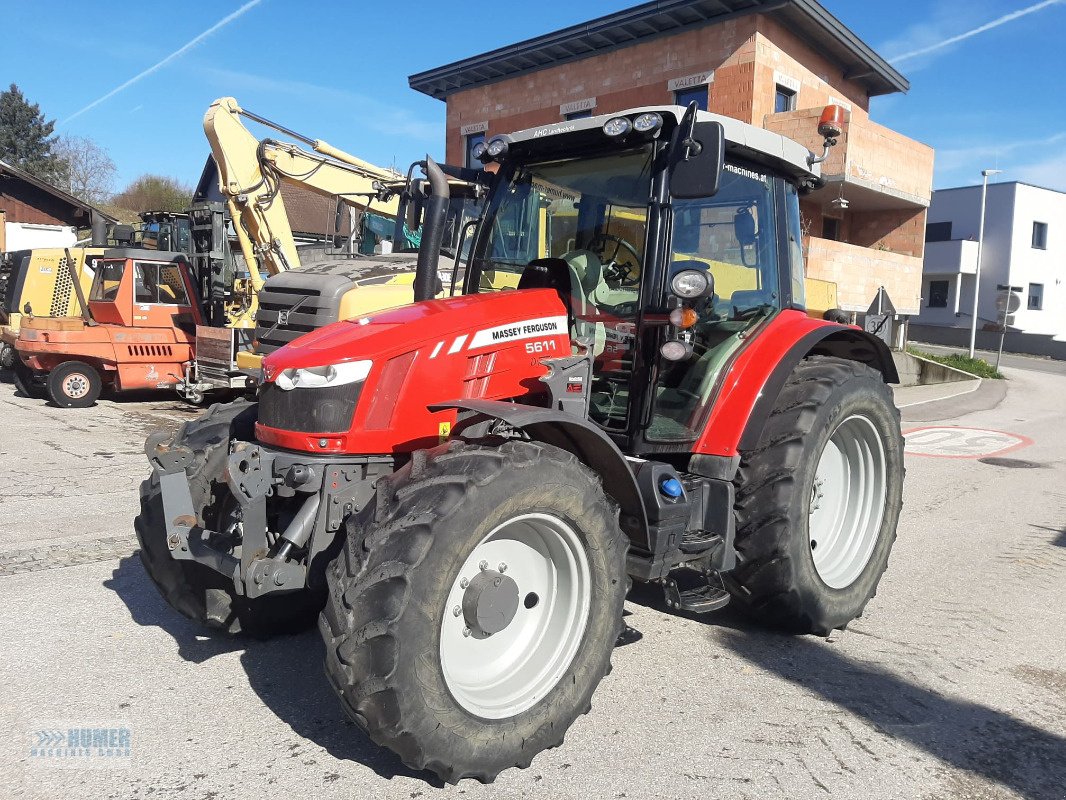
[
  {"x": 819, "y": 498},
  {"x": 394, "y": 639},
  {"x": 74, "y": 384},
  {"x": 7, "y": 356},
  {"x": 26, "y": 381},
  {"x": 200, "y": 593}
]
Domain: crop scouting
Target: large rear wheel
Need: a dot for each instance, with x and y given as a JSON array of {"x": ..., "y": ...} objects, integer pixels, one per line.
[
  {"x": 475, "y": 606},
  {"x": 819, "y": 498}
]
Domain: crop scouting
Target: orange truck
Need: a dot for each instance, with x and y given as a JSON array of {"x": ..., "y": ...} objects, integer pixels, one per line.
[{"x": 137, "y": 331}]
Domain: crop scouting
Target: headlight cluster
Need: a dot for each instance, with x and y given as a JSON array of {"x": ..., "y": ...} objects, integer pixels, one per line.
[{"x": 328, "y": 375}]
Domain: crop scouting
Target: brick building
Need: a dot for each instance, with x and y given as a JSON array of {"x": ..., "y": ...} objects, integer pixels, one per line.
[{"x": 772, "y": 63}]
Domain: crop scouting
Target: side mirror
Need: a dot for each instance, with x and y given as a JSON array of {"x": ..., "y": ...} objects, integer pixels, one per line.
[
  {"x": 413, "y": 217},
  {"x": 699, "y": 157}
]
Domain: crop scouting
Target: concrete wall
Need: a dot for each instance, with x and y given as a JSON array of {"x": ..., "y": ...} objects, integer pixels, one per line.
[
  {"x": 1015, "y": 342},
  {"x": 915, "y": 371}
]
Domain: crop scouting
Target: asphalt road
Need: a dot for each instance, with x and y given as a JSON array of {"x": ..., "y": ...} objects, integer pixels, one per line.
[{"x": 952, "y": 686}]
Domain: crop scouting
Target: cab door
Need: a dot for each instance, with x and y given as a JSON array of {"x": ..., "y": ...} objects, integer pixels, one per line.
[{"x": 162, "y": 297}]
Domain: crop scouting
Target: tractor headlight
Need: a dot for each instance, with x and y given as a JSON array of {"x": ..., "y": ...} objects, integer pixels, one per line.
[
  {"x": 498, "y": 148},
  {"x": 648, "y": 122},
  {"x": 691, "y": 283},
  {"x": 318, "y": 377},
  {"x": 617, "y": 126}
]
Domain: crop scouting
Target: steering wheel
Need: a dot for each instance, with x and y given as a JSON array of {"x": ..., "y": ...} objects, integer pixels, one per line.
[{"x": 613, "y": 270}]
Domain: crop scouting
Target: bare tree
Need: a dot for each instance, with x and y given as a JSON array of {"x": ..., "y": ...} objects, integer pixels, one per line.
[{"x": 87, "y": 170}]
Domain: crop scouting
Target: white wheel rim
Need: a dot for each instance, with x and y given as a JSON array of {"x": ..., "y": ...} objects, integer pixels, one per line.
[
  {"x": 500, "y": 675},
  {"x": 847, "y": 502},
  {"x": 75, "y": 385}
]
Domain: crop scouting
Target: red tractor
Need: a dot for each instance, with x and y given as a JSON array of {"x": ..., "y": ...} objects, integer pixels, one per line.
[{"x": 462, "y": 491}]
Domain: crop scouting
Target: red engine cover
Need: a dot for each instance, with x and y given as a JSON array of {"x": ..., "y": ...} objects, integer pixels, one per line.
[{"x": 486, "y": 346}]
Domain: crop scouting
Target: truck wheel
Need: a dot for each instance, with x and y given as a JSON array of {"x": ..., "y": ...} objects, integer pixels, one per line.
[
  {"x": 473, "y": 611},
  {"x": 200, "y": 593},
  {"x": 7, "y": 356},
  {"x": 26, "y": 381},
  {"x": 74, "y": 384},
  {"x": 818, "y": 500}
]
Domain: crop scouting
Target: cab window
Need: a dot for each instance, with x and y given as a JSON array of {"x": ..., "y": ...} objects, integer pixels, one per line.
[
  {"x": 160, "y": 284},
  {"x": 106, "y": 280}
]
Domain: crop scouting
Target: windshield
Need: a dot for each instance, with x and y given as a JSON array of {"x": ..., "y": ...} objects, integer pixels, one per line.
[{"x": 591, "y": 212}]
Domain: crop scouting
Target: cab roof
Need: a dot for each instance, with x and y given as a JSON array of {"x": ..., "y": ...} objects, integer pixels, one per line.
[{"x": 742, "y": 139}]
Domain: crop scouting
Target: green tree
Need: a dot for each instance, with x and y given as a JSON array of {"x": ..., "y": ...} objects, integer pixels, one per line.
[
  {"x": 154, "y": 193},
  {"x": 26, "y": 139}
]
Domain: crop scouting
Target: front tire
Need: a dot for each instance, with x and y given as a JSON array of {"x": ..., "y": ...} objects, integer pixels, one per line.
[
  {"x": 74, "y": 384},
  {"x": 198, "y": 592},
  {"x": 7, "y": 356},
  {"x": 474, "y": 609},
  {"x": 819, "y": 498}
]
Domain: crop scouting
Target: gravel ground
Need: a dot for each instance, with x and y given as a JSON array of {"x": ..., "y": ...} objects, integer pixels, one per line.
[{"x": 952, "y": 686}]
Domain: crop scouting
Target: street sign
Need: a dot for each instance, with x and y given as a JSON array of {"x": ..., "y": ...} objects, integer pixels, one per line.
[{"x": 880, "y": 325}]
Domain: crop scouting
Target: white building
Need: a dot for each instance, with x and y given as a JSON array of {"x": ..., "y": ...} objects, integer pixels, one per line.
[{"x": 1024, "y": 245}]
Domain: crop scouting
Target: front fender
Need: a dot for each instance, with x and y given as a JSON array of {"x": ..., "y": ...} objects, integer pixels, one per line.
[{"x": 584, "y": 440}]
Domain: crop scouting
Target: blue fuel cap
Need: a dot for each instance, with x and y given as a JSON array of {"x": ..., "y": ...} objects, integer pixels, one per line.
[{"x": 671, "y": 487}]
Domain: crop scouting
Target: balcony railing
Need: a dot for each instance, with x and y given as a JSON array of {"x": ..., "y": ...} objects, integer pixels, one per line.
[
  {"x": 878, "y": 167},
  {"x": 958, "y": 256}
]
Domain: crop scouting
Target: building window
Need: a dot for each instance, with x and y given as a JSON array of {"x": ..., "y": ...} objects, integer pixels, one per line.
[
  {"x": 472, "y": 141},
  {"x": 938, "y": 294},
  {"x": 684, "y": 97},
  {"x": 938, "y": 232},
  {"x": 784, "y": 99},
  {"x": 1040, "y": 235},
  {"x": 831, "y": 229},
  {"x": 1036, "y": 296},
  {"x": 580, "y": 114}
]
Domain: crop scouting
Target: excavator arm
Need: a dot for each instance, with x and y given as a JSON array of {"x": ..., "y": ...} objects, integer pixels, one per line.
[{"x": 251, "y": 171}]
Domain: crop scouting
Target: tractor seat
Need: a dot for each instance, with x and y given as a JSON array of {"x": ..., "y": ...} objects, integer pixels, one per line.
[{"x": 550, "y": 273}]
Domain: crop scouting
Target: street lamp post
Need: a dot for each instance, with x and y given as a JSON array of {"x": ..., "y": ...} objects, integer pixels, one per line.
[{"x": 980, "y": 245}]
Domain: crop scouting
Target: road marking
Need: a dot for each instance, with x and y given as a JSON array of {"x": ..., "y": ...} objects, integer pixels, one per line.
[{"x": 957, "y": 442}]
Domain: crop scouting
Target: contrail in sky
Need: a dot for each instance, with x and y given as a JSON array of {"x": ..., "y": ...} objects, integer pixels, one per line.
[
  {"x": 986, "y": 27},
  {"x": 176, "y": 54}
]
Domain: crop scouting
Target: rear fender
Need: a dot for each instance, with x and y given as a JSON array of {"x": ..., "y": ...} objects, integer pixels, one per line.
[
  {"x": 755, "y": 379},
  {"x": 584, "y": 440}
]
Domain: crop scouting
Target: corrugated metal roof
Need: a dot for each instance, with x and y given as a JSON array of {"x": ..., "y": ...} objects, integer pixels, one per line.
[{"x": 806, "y": 18}]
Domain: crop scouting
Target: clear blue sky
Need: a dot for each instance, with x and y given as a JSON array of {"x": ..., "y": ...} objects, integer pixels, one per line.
[{"x": 338, "y": 71}]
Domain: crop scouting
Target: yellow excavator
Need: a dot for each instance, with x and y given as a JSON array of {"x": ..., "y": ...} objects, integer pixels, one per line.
[{"x": 286, "y": 291}]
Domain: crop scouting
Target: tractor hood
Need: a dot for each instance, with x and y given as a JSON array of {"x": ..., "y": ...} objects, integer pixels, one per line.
[
  {"x": 367, "y": 385},
  {"x": 465, "y": 324}
]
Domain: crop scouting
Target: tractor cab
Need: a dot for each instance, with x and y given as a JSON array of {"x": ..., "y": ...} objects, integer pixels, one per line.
[
  {"x": 675, "y": 243},
  {"x": 137, "y": 292}
]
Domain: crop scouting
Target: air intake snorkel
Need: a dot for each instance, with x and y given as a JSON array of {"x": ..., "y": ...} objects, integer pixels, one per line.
[{"x": 433, "y": 219}]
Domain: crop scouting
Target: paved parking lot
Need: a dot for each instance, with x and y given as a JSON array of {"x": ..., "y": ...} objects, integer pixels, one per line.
[{"x": 952, "y": 686}]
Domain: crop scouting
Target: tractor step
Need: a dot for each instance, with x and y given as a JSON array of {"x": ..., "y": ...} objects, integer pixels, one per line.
[{"x": 701, "y": 599}]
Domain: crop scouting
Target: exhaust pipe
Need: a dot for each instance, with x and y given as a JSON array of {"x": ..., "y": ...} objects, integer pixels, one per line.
[
  {"x": 99, "y": 229},
  {"x": 436, "y": 212}
]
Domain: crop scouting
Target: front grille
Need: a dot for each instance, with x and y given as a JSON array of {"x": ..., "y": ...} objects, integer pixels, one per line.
[
  {"x": 324, "y": 409},
  {"x": 286, "y": 314}
]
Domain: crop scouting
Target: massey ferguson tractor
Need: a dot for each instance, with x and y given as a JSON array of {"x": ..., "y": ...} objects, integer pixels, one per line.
[{"x": 624, "y": 387}]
